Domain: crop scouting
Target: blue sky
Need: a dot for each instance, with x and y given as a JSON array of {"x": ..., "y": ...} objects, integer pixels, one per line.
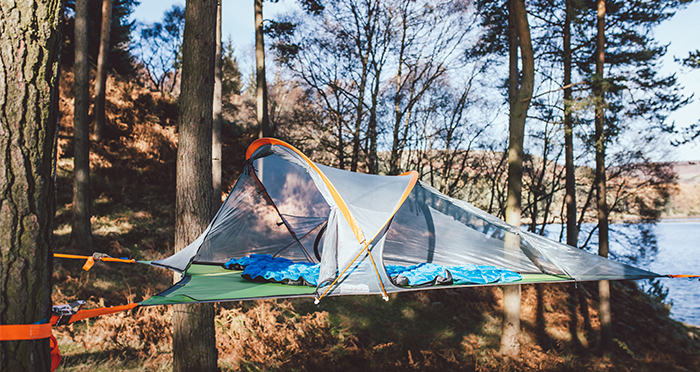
[{"x": 680, "y": 33}]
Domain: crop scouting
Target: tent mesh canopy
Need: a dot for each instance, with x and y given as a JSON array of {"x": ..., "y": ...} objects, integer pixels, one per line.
[{"x": 355, "y": 225}]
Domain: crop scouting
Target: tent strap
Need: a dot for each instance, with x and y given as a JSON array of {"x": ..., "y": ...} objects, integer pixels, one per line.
[
  {"x": 62, "y": 315},
  {"x": 90, "y": 260}
]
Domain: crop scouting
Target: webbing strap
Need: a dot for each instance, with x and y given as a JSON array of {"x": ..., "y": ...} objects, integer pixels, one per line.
[
  {"x": 86, "y": 314},
  {"x": 55, "y": 353},
  {"x": 90, "y": 260},
  {"x": 39, "y": 331},
  {"x": 25, "y": 332}
]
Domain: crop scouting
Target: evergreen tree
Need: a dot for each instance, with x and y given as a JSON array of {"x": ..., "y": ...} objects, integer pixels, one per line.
[
  {"x": 637, "y": 95},
  {"x": 693, "y": 131},
  {"x": 119, "y": 57}
]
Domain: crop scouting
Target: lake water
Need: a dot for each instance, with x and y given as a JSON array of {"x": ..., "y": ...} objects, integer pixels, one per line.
[
  {"x": 679, "y": 253},
  {"x": 670, "y": 247}
]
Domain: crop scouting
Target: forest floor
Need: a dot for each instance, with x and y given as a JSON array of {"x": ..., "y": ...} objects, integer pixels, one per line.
[{"x": 133, "y": 193}]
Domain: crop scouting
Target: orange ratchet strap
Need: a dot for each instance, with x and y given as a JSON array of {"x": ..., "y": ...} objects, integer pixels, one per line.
[
  {"x": 86, "y": 314},
  {"x": 90, "y": 260},
  {"x": 25, "y": 332},
  {"x": 62, "y": 315}
]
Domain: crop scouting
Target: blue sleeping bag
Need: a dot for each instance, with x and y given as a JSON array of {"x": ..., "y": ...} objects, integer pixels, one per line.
[
  {"x": 434, "y": 274},
  {"x": 265, "y": 268}
]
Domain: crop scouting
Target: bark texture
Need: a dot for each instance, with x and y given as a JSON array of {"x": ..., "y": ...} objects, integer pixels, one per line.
[
  {"x": 194, "y": 342},
  {"x": 29, "y": 50},
  {"x": 518, "y": 114},
  {"x": 101, "y": 81},
  {"x": 81, "y": 234}
]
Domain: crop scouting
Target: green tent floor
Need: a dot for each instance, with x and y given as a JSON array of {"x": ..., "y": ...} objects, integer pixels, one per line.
[{"x": 213, "y": 283}]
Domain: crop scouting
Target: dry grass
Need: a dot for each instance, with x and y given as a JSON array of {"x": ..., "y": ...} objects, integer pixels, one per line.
[{"x": 426, "y": 331}]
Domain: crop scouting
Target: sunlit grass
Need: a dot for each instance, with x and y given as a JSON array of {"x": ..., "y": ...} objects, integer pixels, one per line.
[
  {"x": 63, "y": 230},
  {"x": 108, "y": 224}
]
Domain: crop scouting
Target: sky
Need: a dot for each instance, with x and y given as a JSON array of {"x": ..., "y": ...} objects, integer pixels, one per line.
[{"x": 679, "y": 33}]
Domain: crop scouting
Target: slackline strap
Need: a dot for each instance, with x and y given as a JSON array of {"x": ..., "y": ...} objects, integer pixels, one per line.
[
  {"x": 33, "y": 332},
  {"x": 86, "y": 314},
  {"x": 25, "y": 332},
  {"x": 90, "y": 260},
  {"x": 39, "y": 331}
]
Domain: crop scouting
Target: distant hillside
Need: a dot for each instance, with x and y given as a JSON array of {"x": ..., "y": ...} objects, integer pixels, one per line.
[
  {"x": 685, "y": 200},
  {"x": 688, "y": 171}
]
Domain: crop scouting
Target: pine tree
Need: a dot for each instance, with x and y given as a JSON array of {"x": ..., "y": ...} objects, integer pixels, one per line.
[{"x": 119, "y": 57}]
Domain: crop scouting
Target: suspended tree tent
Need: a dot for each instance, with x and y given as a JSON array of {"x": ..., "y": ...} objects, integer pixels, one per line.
[
  {"x": 357, "y": 226},
  {"x": 356, "y": 230}
]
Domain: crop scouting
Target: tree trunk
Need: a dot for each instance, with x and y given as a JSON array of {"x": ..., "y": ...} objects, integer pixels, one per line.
[
  {"x": 216, "y": 145},
  {"x": 194, "y": 342},
  {"x": 81, "y": 235},
  {"x": 355, "y": 158},
  {"x": 599, "y": 86},
  {"x": 518, "y": 113},
  {"x": 510, "y": 344},
  {"x": 394, "y": 159},
  {"x": 101, "y": 80},
  {"x": 341, "y": 144},
  {"x": 372, "y": 156},
  {"x": 261, "y": 89},
  {"x": 28, "y": 123},
  {"x": 570, "y": 198}
]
